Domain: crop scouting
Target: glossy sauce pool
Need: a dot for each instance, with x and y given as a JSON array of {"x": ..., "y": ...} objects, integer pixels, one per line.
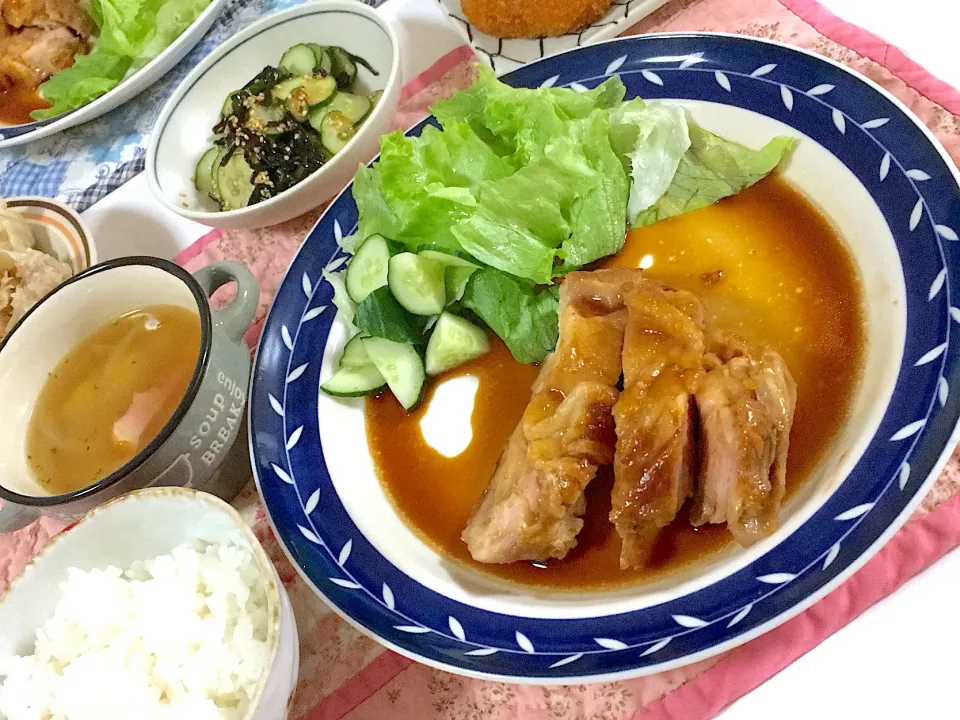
[
  {"x": 768, "y": 267},
  {"x": 17, "y": 103}
]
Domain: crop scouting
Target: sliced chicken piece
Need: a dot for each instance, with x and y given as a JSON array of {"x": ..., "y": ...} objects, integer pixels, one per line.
[
  {"x": 532, "y": 509},
  {"x": 32, "y": 55},
  {"x": 655, "y": 462},
  {"x": 48, "y": 14},
  {"x": 746, "y": 403}
]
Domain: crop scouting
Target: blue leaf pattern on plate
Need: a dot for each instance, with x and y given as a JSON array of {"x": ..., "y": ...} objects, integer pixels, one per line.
[
  {"x": 855, "y": 512},
  {"x": 512, "y": 643}
]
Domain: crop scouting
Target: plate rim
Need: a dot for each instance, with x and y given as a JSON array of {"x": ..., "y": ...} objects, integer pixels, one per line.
[
  {"x": 602, "y": 31},
  {"x": 780, "y": 618}
]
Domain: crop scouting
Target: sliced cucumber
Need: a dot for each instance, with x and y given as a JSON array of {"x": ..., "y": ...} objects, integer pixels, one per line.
[
  {"x": 264, "y": 118},
  {"x": 227, "y": 108},
  {"x": 203, "y": 175},
  {"x": 315, "y": 118},
  {"x": 455, "y": 278},
  {"x": 375, "y": 97},
  {"x": 354, "y": 355},
  {"x": 367, "y": 270},
  {"x": 318, "y": 90},
  {"x": 344, "y": 68},
  {"x": 323, "y": 63},
  {"x": 401, "y": 367},
  {"x": 233, "y": 182},
  {"x": 336, "y": 131},
  {"x": 417, "y": 283},
  {"x": 304, "y": 92},
  {"x": 454, "y": 341},
  {"x": 457, "y": 272},
  {"x": 352, "y": 107},
  {"x": 447, "y": 258},
  {"x": 282, "y": 90},
  {"x": 299, "y": 60},
  {"x": 354, "y": 381}
]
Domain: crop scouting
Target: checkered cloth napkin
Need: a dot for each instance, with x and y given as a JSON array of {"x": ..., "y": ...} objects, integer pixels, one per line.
[{"x": 83, "y": 164}]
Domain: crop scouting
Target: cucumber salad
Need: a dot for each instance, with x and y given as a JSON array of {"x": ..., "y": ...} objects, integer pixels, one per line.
[
  {"x": 284, "y": 125},
  {"x": 408, "y": 318},
  {"x": 470, "y": 227}
]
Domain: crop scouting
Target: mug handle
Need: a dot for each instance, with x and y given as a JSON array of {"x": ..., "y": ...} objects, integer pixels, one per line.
[
  {"x": 14, "y": 517},
  {"x": 236, "y": 317}
]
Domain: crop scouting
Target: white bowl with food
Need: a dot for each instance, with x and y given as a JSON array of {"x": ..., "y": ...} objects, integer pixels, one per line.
[
  {"x": 784, "y": 343},
  {"x": 160, "y": 603},
  {"x": 52, "y": 76},
  {"x": 275, "y": 121},
  {"x": 42, "y": 243}
]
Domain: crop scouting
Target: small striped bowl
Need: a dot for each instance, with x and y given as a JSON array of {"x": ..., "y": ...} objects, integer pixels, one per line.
[{"x": 58, "y": 230}]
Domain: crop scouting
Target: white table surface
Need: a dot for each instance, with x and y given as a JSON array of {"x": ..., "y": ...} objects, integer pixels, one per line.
[{"x": 896, "y": 660}]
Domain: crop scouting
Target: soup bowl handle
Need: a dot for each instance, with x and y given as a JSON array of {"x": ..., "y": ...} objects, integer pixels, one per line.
[
  {"x": 14, "y": 517},
  {"x": 236, "y": 317}
]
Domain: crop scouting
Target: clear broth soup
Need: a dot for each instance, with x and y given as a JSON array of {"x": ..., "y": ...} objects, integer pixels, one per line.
[{"x": 111, "y": 395}]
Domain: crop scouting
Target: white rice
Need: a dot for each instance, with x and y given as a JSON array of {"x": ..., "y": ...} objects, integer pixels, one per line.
[{"x": 182, "y": 636}]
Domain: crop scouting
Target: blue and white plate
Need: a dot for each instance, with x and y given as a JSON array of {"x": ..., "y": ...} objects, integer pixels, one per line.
[{"x": 890, "y": 189}]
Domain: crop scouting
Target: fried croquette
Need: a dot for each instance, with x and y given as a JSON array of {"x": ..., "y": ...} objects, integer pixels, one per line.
[{"x": 533, "y": 18}]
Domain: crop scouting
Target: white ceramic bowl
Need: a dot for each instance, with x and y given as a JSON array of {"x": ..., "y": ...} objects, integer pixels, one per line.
[
  {"x": 184, "y": 129},
  {"x": 140, "y": 526},
  {"x": 156, "y": 69},
  {"x": 58, "y": 230}
]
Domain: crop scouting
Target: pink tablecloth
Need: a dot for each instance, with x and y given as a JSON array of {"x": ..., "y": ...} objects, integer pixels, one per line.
[{"x": 345, "y": 674}]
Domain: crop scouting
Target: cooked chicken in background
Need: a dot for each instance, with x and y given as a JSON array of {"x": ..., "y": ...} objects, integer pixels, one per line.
[
  {"x": 39, "y": 38},
  {"x": 32, "y": 55},
  {"x": 533, "y": 18},
  {"x": 48, "y": 14},
  {"x": 532, "y": 509},
  {"x": 746, "y": 406},
  {"x": 655, "y": 461}
]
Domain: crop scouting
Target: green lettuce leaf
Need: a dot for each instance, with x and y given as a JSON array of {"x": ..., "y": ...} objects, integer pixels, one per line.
[
  {"x": 653, "y": 140},
  {"x": 90, "y": 77},
  {"x": 511, "y": 249},
  {"x": 421, "y": 187},
  {"x": 520, "y": 121},
  {"x": 173, "y": 18},
  {"x": 522, "y": 219},
  {"x": 599, "y": 213},
  {"x": 525, "y": 180},
  {"x": 712, "y": 169},
  {"x": 534, "y": 183},
  {"x": 132, "y": 33},
  {"x": 124, "y": 25},
  {"x": 346, "y": 307},
  {"x": 524, "y": 317}
]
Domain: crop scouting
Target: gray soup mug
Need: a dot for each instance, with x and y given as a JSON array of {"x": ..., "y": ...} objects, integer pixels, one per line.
[{"x": 203, "y": 428}]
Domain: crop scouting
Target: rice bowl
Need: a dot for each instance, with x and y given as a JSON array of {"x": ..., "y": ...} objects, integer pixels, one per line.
[{"x": 197, "y": 625}]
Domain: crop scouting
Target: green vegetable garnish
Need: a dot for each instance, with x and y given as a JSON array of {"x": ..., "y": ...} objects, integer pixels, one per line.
[
  {"x": 132, "y": 33},
  {"x": 712, "y": 169},
  {"x": 521, "y": 179},
  {"x": 524, "y": 316},
  {"x": 532, "y": 184},
  {"x": 380, "y": 315}
]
